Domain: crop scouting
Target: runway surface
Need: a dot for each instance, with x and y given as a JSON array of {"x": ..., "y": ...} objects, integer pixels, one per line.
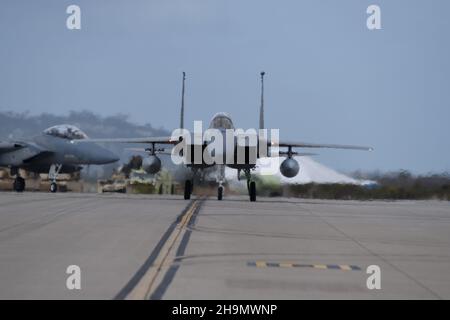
[{"x": 163, "y": 247}]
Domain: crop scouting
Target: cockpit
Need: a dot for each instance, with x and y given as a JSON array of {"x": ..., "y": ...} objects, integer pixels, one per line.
[
  {"x": 221, "y": 121},
  {"x": 66, "y": 131}
]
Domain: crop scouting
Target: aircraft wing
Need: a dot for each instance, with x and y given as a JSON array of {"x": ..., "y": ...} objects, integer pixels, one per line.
[
  {"x": 148, "y": 140},
  {"x": 7, "y": 146},
  {"x": 32, "y": 153},
  {"x": 146, "y": 150},
  {"x": 295, "y": 144}
]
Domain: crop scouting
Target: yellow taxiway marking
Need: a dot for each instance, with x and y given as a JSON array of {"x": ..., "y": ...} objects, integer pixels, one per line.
[
  {"x": 320, "y": 266},
  {"x": 345, "y": 267},
  {"x": 144, "y": 288},
  {"x": 260, "y": 264},
  {"x": 286, "y": 265},
  {"x": 269, "y": 264}
]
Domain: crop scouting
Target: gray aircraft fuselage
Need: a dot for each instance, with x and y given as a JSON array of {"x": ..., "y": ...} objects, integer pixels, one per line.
[
  {"x": 40, "y": 152},
  {"x": 223, "y": 122}
]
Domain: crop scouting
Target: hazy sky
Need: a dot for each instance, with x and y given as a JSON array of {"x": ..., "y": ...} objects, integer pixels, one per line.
[{"x": 329, "y": 79}]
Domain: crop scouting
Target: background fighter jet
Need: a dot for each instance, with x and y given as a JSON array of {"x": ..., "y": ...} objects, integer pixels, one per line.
[
  {"x": 52, "y": 152},
  {"x": 221, "y": 121}
]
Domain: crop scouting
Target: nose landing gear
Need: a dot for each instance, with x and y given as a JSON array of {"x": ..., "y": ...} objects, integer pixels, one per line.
[
  {"x": 52, "y": 175},
  {"x": 53, "y": 187},
  {"x": 220, "y": 179}
]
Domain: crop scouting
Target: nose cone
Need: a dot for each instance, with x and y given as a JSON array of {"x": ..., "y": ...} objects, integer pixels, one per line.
[
  {"x": 103, "y": 156},
  {"x": 108, "y": 157}
]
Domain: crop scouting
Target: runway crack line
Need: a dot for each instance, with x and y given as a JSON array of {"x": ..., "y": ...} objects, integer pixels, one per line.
[{"x": 420, "y": 284}]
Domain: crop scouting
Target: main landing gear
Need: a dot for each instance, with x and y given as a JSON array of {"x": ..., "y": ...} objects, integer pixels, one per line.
[
  {"x": 252, "y": 191},
  {"x": 19, "y": 182},
  {"x": 251, "y": 185},
  {"x": 220, "y": 192},
  {"x": 187, "y": 189}
]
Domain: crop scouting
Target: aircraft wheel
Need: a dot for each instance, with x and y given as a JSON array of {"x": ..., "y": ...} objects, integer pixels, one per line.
[
  {"x": 53, "y": 187},
  {"x": 219, "y": 193},
  {"x": 252, "y": 191},
  {"x": 187, "y": 190},
  {"x": 19, "y": 184}
]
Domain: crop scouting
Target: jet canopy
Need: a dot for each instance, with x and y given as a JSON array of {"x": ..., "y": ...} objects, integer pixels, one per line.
[
  {"x": 66, "y": 131},
  {"x": 221, "y": 121}
]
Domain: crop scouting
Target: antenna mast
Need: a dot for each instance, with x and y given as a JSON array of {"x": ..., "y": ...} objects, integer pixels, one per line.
[
  {"x": 261, "y": 110},
  {"x": 182, "y": 103}
]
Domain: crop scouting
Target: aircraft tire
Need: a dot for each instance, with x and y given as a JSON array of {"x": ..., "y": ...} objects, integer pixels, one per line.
[
  {"x": 187, "y": 190},
  {"x": 219, "y": 193},
  {"x": 53, "y": 187},
  {"x": 252, "y": 191},
  {"x": 19, "y": 184}
]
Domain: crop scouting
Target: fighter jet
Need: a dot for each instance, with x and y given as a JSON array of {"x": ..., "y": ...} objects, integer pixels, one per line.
[
  {"x": 222, "y": 122},
  {"x": 52, "y": 152}
]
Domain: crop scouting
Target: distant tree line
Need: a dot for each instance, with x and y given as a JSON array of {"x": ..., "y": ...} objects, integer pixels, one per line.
[
  {"x": 15, "y": 125},
  {"x": 393, "y": 185}
]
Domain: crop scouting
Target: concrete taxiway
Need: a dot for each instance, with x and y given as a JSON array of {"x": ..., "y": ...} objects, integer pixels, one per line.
[{"x": 163, "y": 247}]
